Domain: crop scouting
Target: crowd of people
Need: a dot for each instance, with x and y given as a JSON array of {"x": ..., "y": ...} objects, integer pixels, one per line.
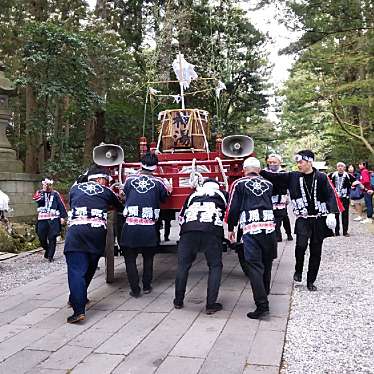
[{"x": 254, "y": 211}]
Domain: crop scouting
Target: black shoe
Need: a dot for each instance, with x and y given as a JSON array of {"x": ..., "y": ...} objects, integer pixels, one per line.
[
  {"x": 147, "y": 290},
  {"x": 279, "y": 240},
  {"x": 76, "y": 318},
  {"x": 134, "y": 294},
  {"x": 259, "y": 312},
  {"x": 346, "y": 234},
  {"x": 178, "y": 304},
  {"x": 337, "y": 234},
  {"x": 50, "y": 259},
  {"x": 167, "y": 240},
  {"x": 289, "y": 238},
  {"x": 297, "y": 277},
  {"x": 311, "y": 287},
  {"x": 211, "y": 309},
  {"x": 45, "y": 255}
]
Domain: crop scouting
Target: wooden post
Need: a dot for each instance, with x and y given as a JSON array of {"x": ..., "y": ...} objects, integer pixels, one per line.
[{"x": 109, "y": 249}]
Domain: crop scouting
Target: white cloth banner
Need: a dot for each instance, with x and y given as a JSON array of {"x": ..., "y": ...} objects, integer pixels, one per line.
[
  {"x": 4, "y": 201},
  {"x": 220, "y": 86},
  {"x": 184, "y": 71}
]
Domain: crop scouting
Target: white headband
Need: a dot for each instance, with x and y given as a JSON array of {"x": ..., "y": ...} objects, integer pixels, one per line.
[
  {"x": 47, "y": 181},
  {"x": 99, "y": 175},
  {"x": 150, "y": 168},
  {"x": 340, "y": 164}
]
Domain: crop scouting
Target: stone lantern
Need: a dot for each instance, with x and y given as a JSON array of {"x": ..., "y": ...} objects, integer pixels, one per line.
[{"x": 8, "y": 159}]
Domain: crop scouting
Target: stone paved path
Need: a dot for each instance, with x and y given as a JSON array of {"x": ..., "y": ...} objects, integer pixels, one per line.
[{"x": 146, "y": 335}]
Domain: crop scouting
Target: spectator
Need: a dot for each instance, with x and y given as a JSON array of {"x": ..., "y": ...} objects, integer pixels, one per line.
[
  {"x": 342, "y": 182},
  {"x": 365, "y": 181}
]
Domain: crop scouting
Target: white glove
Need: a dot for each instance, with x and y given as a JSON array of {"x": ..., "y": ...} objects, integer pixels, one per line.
[{"x": 331, "y": 221}]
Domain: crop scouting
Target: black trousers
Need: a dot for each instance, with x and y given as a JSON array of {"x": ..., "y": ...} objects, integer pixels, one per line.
[
  {"x": 189, "y": 245},
  {"x": 47, "y": 231},
  {"x": 258, "y": 252},
  {"x": 132, "y": 270},
  {"x": 280, "y": 217},
  {"x": 345, "y": 217},
  {"x": 309, "y": 230}
]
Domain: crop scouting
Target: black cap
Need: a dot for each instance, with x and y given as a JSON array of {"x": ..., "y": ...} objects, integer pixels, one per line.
[
  {"x": 149, "y": 161},
  {"x": 96, "y": 171}
]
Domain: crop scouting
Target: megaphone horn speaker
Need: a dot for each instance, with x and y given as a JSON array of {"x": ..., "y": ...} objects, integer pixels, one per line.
[
  {"x": 108, "y": 155},
  {"x": 237, "y": 146}
]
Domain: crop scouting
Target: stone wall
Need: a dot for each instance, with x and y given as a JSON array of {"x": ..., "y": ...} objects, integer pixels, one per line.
[{"x": 20, "y": 188}]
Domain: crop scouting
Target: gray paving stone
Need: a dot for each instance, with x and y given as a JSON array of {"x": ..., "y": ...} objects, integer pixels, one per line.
[
  {"x": 34, "y": 316},
  {"x": 9, "y": 330},
  {"x": 103, "y": 330},
  {"x": 66, "y": 332},
  {"x": 274, "y": 323},
  {"x": 230, "y": 351},
  {"x": 20, "y": 341},
  {"x": 279, "y": 305},
  {"x": 199, "y": 339},
  {"x": 19, "y": 310},
  {"x": 40, "y": 370},
  {"x": 55, "y": 320},
  {"x": 66, "y": 358},
  {"x": 113, "y": 321},
  {"x": 112, "y": 301},
  {"x": 98, "y": 363},
  {"x": 257, "y": 369},
  {"x": 22, "y": 361},
  {"x": 129, "y": 336},
  {"x": 163, "y": 303},
  {"x": 267, "y": 348},
  {"x": 180, "y": 365},
  {"x": 57, "y": 302},
  {"x": 151, "y": 352}
]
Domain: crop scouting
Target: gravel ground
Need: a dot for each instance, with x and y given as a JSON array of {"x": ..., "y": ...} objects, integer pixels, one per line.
[
  {"x": 331, "y": 330},
  {"x": 25, "y": 268}
]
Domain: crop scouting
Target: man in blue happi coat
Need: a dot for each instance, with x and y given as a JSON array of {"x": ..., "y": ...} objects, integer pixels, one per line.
[
  {"x": 86, "y": 235},
  {"x": 143, "y": 194},
  {"x": 51, "y": 215}
]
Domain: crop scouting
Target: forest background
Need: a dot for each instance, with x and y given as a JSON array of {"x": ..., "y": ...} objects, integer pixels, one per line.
[{"x": 81, "y": 76}]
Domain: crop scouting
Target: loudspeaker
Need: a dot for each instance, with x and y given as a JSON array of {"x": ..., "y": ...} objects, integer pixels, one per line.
[
  {"x": 108, "y": 155},
  {"x": 237, "y": 146}
]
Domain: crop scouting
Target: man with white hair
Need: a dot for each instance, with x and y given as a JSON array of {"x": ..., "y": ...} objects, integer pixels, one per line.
[
  {"x": 279, "y": 198},
  {"x": 342, "y": 182},
  {"x": 201, "y": 220},
  {"x": 251, "y": 207},
  {"x": 51, "y": 215}
]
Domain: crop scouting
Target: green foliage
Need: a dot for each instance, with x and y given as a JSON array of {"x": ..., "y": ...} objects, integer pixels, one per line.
[
  {"x": 74, "y": 64},
  {"x": 329, "y": 94}
]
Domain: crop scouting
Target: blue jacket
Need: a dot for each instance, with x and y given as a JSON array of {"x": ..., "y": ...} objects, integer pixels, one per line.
[
  {"x": 89, "y": 203},
  {"x": 251, "y": 205},
  {"x": 143, "y": 195},
  {"x": 50, "y": 205}
]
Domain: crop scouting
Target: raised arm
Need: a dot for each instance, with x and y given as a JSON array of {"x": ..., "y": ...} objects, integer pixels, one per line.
[{"x": 278, "y": 179}]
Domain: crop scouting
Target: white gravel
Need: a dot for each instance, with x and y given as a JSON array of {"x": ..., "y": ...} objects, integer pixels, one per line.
[
  {"x": 25, "y": 268},
  {"x": 332, "y": 330}
]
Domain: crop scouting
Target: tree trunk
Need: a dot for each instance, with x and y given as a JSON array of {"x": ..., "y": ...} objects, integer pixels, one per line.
[
  {"x": 164, "y": 43},
  {"x": 94, "y": 135},
  {"x": 33, "y": 139}
]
